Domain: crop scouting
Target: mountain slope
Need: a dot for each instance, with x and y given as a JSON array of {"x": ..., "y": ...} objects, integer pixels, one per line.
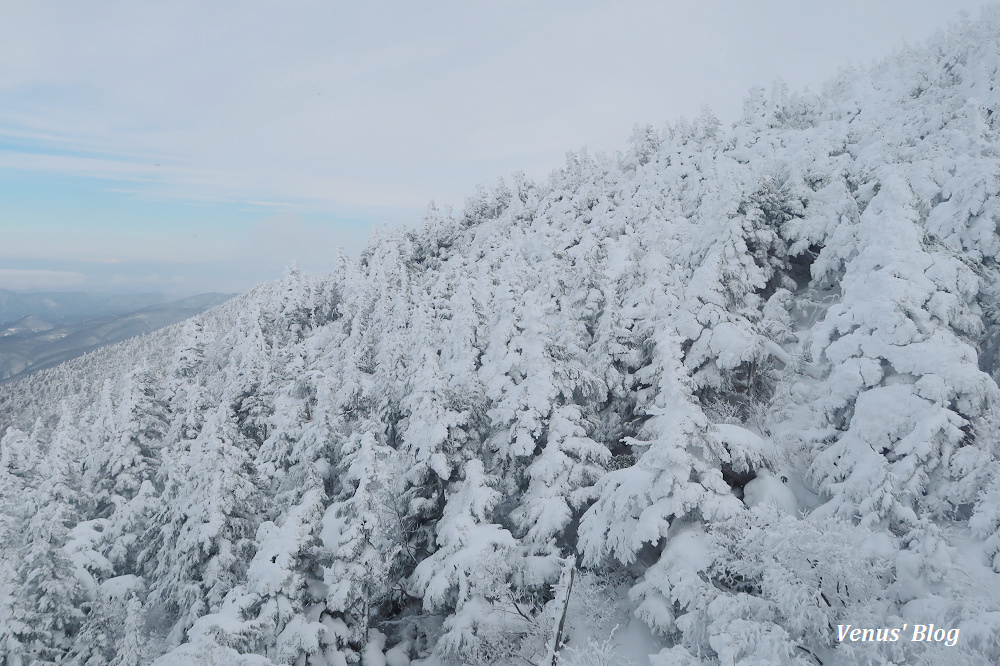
[
  {"x": 31, "y": 343},
  {"x": 730, "y": 391},
  {"x": 62, "y": 307}
]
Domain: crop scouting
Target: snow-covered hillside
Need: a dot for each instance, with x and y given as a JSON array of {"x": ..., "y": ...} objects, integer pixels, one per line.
[{"x": 710, "y": 400}]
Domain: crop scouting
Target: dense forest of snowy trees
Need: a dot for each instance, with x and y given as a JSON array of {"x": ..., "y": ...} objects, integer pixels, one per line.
[{"x": 705, "y": 400}]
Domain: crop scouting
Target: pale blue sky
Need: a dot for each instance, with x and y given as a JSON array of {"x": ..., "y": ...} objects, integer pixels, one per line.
[{"x": 192, "y": 146}]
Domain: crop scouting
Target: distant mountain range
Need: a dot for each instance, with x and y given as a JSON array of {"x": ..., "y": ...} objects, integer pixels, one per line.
[
  {"x": 42, "y": 330},
  {"x": 72, "y": 307}
]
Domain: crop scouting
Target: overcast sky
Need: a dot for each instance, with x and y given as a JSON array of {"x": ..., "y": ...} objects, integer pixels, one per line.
[{"x": 193, "y": 146}]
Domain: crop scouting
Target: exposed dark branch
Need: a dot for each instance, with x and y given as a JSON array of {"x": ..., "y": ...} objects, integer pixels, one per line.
[
  {"x": 562, "y": 620},
  {"x": 809, "y": 652}
]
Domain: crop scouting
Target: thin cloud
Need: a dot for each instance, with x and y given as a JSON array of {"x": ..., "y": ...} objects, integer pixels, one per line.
[
  {"x": 79, "y": 166},
  {"x": 396, "y": 104}
]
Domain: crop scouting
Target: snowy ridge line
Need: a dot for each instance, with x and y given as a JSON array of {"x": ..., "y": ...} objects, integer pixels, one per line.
[{"x": 739, "y": 386}]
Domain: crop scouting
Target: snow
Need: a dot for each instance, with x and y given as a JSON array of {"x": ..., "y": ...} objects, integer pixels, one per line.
[
  {"x": 120, "y": 587},
  {"x": 732, "y": 344},
  {"x": 770, "y": 489},
  {"x": 209, "y": 654},
  {"x": 373, "y": 654},
  {"x": 398, "y": 655},
  {"x": 333, "y": 526}
]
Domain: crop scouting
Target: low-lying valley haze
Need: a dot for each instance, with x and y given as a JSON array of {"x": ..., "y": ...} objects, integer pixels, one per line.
[{"x": 499, "y": 333}]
